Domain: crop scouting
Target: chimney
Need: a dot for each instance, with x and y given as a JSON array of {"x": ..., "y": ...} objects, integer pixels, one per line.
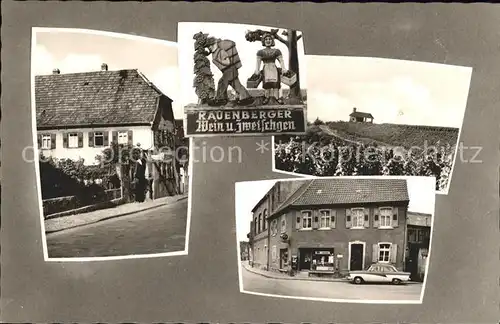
[
  {"x": 354, "y": 109},
  {"x": 56, "y": 71},
  {"x": 104, "y": 67}
]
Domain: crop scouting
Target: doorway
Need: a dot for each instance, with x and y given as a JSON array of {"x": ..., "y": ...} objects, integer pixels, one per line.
[
  {"x": 283, "y": 258},
  {"x": 305, "y": 256},
  {"x": 357, "y": 256}
]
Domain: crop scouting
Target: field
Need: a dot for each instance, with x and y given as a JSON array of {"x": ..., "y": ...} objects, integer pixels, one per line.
[{"x": 344, "y": 149}]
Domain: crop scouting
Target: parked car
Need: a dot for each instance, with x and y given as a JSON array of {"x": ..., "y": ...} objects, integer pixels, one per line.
[{"x": 379, "y": 272}]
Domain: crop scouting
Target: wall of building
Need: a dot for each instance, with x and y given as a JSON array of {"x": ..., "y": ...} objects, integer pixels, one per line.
[
  {"x": 340, "y": 236},
  {"x": 142, "y": 135},
  {"x": 275, "y": 241}
]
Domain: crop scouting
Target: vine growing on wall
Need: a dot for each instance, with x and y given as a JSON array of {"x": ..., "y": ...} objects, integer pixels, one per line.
[{"x": 204, "y": 79}]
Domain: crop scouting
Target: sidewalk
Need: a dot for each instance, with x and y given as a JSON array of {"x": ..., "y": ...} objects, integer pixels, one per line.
[
  {"x": 66, "y": 222},
  {"x": 283, "y": 276},
  {"x": 277, "y": 275}
]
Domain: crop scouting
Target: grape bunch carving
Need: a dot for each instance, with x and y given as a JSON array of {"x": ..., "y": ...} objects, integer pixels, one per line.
[{"x": 204, "y": 79}]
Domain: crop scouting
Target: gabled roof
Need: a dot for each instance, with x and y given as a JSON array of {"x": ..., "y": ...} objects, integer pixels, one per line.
[
  {"x": 123, "y": 97},
  {"x": 359, "y": 114},
  {"x": 342, "y": 191}
]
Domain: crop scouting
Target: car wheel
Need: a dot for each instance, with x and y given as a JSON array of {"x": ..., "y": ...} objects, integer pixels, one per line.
[
  {"x": 358, "y": 280},
  {"x": 396, "y": 281}
]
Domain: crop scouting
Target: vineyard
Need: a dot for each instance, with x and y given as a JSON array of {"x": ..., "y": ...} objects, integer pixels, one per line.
[{"x": 346, "y": 149}]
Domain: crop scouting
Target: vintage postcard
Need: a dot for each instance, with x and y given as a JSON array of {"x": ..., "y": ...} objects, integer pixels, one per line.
[
  {"x": 112, "y": 160},
  {"x": 338, "y": 239},
  {"x": 241, "y": 79},
  {"x": 375, "y": 116}
]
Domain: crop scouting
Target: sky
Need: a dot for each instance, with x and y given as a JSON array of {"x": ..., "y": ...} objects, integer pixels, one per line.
[
  {"x": 248, "y": 193},
  {"x": 393, "y": 91},
  {"x": 246, "y": 50},
  {"x": 73, "y": 50}
]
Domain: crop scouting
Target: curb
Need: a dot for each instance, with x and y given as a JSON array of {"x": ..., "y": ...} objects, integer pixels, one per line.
[
  {"x": 293, "y": 278},
  {"x": 114, "y": 216}
]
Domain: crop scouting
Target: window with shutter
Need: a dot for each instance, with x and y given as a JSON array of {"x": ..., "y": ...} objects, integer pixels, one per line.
[
  {"x": 298, "y": 223},
  {"x": 306, "y": 219},
  {"x": 385, "y": 217},
  {"x": 130, "y": 139},
  {"x": 91, "y": 139},
  {"x": 52, "y": 141},
  {"x": 375, "y": 253},
  {"x": 333, "y": 219},
  {"x": 384, "y": 252},
  {"x": 358, "y": 218},
  {"x": 46, "y": 142},
  {"x": 376, "y": 215},
  {"x": 39, "y": 140},
  {"x": 65, "y": 140},
  {"x": 348, "y": 221},
  {"x": 394, "y": 253},
  {"x": 395, "y": 217},
  {"x": 325, "y": 219},
  {"x": 80, "y": 139},
  {"x": 106, "y": 138},
  {"x": 367, "y": 218}
]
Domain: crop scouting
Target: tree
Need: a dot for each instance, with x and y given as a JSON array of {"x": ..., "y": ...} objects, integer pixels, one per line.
[
  {"x": 204, "y": 79},
  {"x": 120, "y": 156},
  {"x": 318, "y": 122},
  {"x": 290, "y": 42}
]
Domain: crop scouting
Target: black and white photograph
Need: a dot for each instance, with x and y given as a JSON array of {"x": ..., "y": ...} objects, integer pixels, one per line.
[
  {"x": 112, "y": 160},
  {"x": 378, "y": 116},
  {"x": 242, "y": 80},
  {"x": 336, "y": 239}
]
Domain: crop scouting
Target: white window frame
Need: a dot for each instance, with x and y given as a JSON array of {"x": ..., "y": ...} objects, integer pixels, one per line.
[
  {"x": 321, "y": 217},
  {"x": 122, "y": 137},
  {"x": 70, "y": 136},
  {"x": 380, "y": 225},
  {"x": 389, "y": 249},
  {"x": 46, "y": 138},
  {"x": 98, "y": 134},
  {"x": 355, "y": 225},
  {"x": 303, "y": 217}
]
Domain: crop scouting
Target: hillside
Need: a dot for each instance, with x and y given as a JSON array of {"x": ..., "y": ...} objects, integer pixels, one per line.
[
  {"x": 395, "y": 134},
  {"x": 346, "y": 149}
]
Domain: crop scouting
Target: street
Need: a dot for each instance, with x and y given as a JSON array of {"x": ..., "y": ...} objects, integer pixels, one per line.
[
  {"x": 159, "y": 230},
  {"x": 323, "y": 289}
]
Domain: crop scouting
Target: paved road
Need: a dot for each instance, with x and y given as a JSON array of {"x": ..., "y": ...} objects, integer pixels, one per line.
[
  {"x": 333, "y": 290},
  {"x": 162, "y": 229}
]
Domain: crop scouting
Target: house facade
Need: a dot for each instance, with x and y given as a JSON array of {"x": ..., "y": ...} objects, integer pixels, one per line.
[
  {"x": 333, "y": 225},
  {"x": 360, "y": 117},
  {"x": 79, "y": 115},
  {"x": 418, "y": 244}
]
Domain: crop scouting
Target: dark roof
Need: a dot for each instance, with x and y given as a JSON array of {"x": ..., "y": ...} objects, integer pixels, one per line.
[
  {"x": 359, "y": 114},
  {"x": 124, "y": 97},
  {"x": 341, "y": 191}
]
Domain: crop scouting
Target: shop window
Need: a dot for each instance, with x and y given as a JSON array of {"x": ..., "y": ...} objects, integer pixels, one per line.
[{"x": 323, "y": 260}]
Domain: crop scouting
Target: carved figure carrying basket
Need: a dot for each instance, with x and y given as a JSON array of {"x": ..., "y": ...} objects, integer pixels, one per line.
[{"x": 289, "y": 78}]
